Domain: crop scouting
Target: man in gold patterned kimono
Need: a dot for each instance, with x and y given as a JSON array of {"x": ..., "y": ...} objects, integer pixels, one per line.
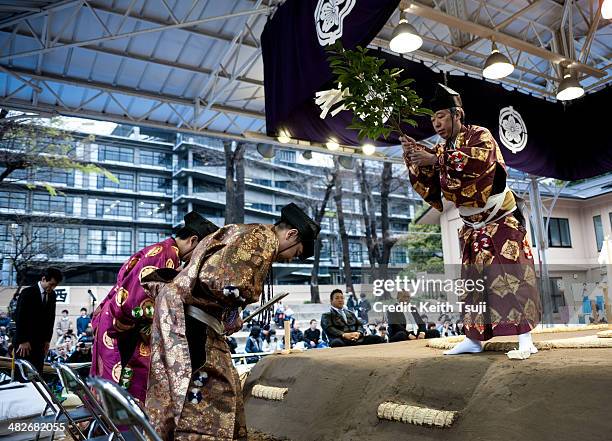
[
  {"x": 194, "y": 392},
  {"x": 468, "y": 170}
]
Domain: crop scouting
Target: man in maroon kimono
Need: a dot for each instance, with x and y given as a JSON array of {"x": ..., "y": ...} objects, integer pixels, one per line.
[
  {"x": 122, "y": 322},
  {"x": 468, "y": 170}
]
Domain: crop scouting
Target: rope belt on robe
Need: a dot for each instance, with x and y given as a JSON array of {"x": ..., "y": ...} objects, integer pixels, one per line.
[{"x": 494, "y": 203}]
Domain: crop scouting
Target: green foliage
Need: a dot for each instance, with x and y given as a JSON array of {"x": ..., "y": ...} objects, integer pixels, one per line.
[
  {"x": 379, "y": 99},
  {"x": 29, "y": 144},
  {"x": 424, "y": 244}
]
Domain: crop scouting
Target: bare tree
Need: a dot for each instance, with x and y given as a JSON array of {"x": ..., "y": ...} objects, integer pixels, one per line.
[
  {"x": 346, "y": 258},
  {"x": 29, "y": 251},
  {"x": 234, "y": 181},
  {"x": 319, "y": 213},
  {"x": 379, "y": 249}
]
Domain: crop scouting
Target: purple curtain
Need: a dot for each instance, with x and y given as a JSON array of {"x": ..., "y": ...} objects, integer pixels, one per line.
[{"x": 565, "y": 141}]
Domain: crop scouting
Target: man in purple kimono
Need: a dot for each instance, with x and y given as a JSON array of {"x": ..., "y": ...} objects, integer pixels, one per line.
[
  {"x": 468, "y": 170},
  {"x": 122, "y": 322}
]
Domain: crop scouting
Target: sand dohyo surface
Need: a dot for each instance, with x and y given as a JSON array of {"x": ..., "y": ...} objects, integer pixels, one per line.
[{"x": 556, "y": 395}]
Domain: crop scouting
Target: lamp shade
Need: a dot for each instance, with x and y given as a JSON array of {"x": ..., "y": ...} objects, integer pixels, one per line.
[
  {"x": 368, "y": 149},
  {"x": 497, "y": 65},
  {"x": 569, "y": 89},
  {"x": 266, "y": 150},
  {"x": 405, "y": 38},
  {"x": 346, "y": 162},
  {"x": 606, "y": 9}
]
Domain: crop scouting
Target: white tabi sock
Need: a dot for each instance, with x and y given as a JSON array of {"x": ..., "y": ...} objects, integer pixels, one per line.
[
  {"x": 466, "y": 346},
  {"x": 526, "y": 343}
]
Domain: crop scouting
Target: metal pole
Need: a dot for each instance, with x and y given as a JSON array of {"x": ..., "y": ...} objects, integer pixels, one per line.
[{"x": 537, "y": 220}]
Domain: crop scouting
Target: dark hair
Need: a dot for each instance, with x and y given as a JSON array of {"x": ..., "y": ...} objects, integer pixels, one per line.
[
  {"x": 313, "y": 320},
  {"x": 255, "y": 332},
  {"x": 84, "y": 309},
  {"x": 65, "y": 311},
  {"x": 337, "y": 290},
  {"x": 186, "y": 232},
  {"x": 382, "y": 328},
  {"x": 53, "y": 273}
]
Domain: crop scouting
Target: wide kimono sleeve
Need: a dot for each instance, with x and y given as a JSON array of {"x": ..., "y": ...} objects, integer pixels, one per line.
[
  {"x": 426, "y": 181},
  {"x": 473, "y": 165},
  {"x": 131, "y": 303},
  {"x": 239, "y": 269}
]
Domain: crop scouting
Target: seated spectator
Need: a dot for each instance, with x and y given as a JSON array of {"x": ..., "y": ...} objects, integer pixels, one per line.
[
  {"x": 82, "y": 354},
  {"x": 270, "y": 342},
  {"x": 4, "y": 319},
  {"x": 231, "y": 343},
  {"x": 363, "y": 308},
  {"x": 342, "y": 327},
  {"x": 4, "y": 341},
  {"x": 447, "y": 329},
  {"x": 371, "y": 329},
  {"x": 63, "y": 324},
  {"x": 279, "y": 314},
  {"x": 352, "y": 301},
  {"x": 296, "y": 335},
  {"x": 66, "y": 339},
  {"x": 254, "y": 344},
  {"x": 61, "y": 354},
  {"x": 289, "y": 315},
  {"x": 87, "y": 336},
  {"x": 459, "y": 329},
  {"x": 382, "y": 332},
  {"x": 82, "y": 322},
  {"x": 312, "y": 336},
  {"x": 397, "y": 329},
  {"x": 432, "y": 332}
]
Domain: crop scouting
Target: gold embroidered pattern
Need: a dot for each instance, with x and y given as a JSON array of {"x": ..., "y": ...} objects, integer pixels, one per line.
[
  {"x": 505, "y": 284},
  {"x": 469, "y": 191},
  {"x": 510, "y": 250},
  {"x": 154, "y": 251},
  {"x": 146, "y": 271},
  {"x": 121, "y": 296},
  {"x": 108, "y": 342},
  {"x": 170, "y": 263}
]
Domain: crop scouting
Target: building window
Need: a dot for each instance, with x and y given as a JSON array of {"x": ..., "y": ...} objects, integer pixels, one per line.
[
  {"x": 398, "y": 255},
  {"x": 286, "y": 156},
  {"x": 156, "y": 184},
  {"x": 148, "y": 238},
  {"x": 263, "y": 207},
  {"x": 599, "y": 234},
  {"x": 152, "y": 210},
  {"x": 109, "y": 243},
  {"x": 325, "y": 250},
  {"x": 355, "y": 249},
  {"x": 109, "y": 207},
  {"x": 556, "y": 290},
  {"x": 559, "y": 233},
  {"x": 151, "y": 157},
  {"x": 65, "y": 177},
  {"x": 56, "y": 241},
  {"x": 12, "y": 200},
  {"x": 115, "y": 153},
  {"x": 46, "y": 203},
  {"x": 126, "y": 181}
]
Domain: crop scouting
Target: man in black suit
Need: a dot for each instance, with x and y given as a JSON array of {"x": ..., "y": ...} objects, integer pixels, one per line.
[
  {"x": 34, "y": 319},
  {"x": 342, "y": 327}
]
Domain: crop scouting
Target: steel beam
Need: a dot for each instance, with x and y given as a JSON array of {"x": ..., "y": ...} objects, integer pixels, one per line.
[{"x": 424, "y": 11}]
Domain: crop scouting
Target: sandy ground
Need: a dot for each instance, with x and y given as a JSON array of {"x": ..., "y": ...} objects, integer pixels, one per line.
[{"x": 556, "y": 395}]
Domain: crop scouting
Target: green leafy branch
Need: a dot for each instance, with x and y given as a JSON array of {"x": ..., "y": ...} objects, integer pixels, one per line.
[{"x": 379, "y": 99}]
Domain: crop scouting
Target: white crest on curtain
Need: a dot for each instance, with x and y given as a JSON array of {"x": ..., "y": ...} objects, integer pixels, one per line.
[
  {"x": 329, "y": 16},
  {"x": 512, "y": 130}
]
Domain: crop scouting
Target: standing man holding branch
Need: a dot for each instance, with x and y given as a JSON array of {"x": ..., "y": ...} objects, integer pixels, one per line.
[{"x": 468, "y": 170}]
